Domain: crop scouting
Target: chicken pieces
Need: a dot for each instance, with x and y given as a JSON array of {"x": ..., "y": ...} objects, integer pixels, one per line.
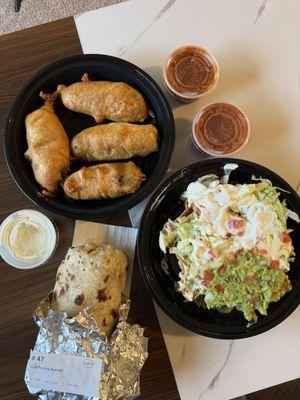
[
  {"x": 103, "y": 181},
  {"x": 48, "y": 146},
  {"x": 115, "y": 141},
  {"x": 116, "y": 101}
]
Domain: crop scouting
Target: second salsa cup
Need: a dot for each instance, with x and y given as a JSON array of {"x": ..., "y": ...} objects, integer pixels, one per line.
[{"x": 220, "y": 129}]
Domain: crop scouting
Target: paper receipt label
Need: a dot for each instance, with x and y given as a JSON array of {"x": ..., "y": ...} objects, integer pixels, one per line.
[{"x": 64, "y": 373}]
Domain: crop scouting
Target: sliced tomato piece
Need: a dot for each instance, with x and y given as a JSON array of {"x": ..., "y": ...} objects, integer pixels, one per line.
[
  {"x": 236, "y": 223},
  {"x": 222, "y": 270},
  {"x": 213, "y": 253},
  {"x": 285, "y": 238},
  {"x": 255, "y": 277},
  {"x": 247, "y": 280},
  {"x": 255, "y": 299},
  {"x": 219, "y": 288},
  {"x": 256, "y": 250},
  {"x": 208, "y": 276},
  {"x": 274, "y": 264},
  {"x": 262, "y": 252}
]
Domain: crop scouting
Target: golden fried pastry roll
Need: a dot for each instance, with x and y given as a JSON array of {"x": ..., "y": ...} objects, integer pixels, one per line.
[
  {"x": 48, "y": 146},
  {"x": 103, "y": 181},
  {"x": 115, "y": 101},
  {"x": 115, "y": 141}
]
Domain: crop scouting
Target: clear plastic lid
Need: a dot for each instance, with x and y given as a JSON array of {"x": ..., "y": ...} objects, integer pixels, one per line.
[
  {"x": 190, "y": 71},
  {"x": 28, "y": 239},
  {"x": 220, "y": 129}
]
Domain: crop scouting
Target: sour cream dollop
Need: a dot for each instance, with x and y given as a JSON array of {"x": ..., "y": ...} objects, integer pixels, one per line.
[{"x": 27, "y": 239}]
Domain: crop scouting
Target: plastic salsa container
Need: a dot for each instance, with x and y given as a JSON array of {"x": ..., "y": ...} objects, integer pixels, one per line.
[
  {"x": 220, "y": 129},
  {"x": 28, "y": 239},
  {"x": 190, "y": 72}
]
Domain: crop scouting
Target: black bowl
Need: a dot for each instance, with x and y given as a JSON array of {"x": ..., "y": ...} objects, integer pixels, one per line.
[
  {"x": 67, "y": 71},
  {"x": 165, "y": 203}
]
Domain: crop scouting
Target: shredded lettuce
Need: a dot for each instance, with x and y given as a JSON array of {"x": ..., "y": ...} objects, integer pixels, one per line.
[{"x": 268, "y": 194}]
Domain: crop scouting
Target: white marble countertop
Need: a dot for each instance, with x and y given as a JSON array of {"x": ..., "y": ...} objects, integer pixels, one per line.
[{"x": 257, "y": 46}]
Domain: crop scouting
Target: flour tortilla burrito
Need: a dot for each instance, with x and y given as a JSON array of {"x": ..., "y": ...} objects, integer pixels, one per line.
[{"x": 93, "y": 278}]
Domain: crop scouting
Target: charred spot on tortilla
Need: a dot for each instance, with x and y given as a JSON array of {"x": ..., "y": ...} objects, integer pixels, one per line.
[
  {"x": 102, "y": 296},
  {"x": 79, "y": 299},
  {"x": 104, "y": 321},
  {"x": 106, "y": 278},
  {"x": 62, "y": 291},
  {"x": 114, "y": 314}
]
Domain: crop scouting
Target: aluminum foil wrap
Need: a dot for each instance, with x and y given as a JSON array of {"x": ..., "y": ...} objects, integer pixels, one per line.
[{"x": 123, "y": 355}]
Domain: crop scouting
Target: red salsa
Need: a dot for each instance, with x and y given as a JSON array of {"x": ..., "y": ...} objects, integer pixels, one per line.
[
  {"x": 220, "y": 129},
  {"x": 190, "y": 71}
]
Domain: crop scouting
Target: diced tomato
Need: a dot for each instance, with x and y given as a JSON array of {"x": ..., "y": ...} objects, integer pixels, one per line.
[
  {"x": 247, "y": 280},
  {"x": 241, "y": 233},
  {"x": 263, "y": 252},
  {"x": 219, "y": 288},
  {"x": 285, "y": 238},
  {"x": 232, "y": 256},
  {"x": 228, "y": 235},
  {"x": 236, "y": 223},
  {"x": 284, "y": 286},
  {"x": 256, "y": 250},
  {"x": 222, "y": 270},
  {"x": 274, "y": 264},
  {"x": 255, "y": 299},
  {"x": 208, "y": 276},
  {"x": 213, "y": 253},
  {"x": 255, "y": 277}
]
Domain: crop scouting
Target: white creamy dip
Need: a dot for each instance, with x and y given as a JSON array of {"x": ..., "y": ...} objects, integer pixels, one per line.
[{"x": 27, "y": 239}]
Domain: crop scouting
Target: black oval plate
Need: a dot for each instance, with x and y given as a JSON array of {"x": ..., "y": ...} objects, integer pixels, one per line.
[
  {"x": 67, "y": 71},
  {"x": 165, "y": 203}
]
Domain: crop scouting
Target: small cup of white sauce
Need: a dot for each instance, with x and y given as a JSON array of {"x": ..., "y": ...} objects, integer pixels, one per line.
[{"x": 27, "y": 239}]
